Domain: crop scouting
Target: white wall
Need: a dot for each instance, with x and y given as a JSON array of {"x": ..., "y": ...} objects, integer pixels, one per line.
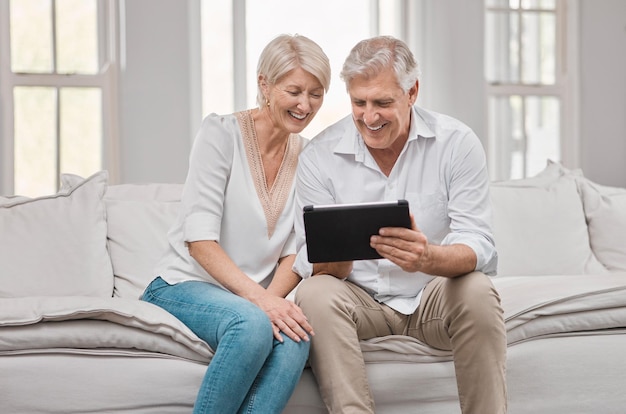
[
  {"x": 156, "y": 91},
  {"x": 603, "y": 91}
]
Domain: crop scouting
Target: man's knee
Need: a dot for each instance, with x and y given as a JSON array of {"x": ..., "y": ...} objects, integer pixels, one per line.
[
  {"x": 474, "y": 286},
  {"x": 316, "y": 288},
  {"x": 324, "y": 297},
  {"x": 481, "y": 301}
]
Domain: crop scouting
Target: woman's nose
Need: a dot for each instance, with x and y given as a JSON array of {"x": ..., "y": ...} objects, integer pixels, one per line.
[{"x": 305, "y": 102}]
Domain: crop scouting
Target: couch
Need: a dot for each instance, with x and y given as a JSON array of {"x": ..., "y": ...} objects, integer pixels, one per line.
[{"x": 74, "y": 338}]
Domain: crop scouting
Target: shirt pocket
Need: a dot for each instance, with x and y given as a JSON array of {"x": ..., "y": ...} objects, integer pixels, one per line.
[{"x": 431, "y": 214}]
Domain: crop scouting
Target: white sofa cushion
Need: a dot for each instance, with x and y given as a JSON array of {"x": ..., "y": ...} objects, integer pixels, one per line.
[
  {"x": 540, "y": 228},
  {"x": 56, "y": 245},
  {"x": 605, "y": 209},
  {"x": 138, "y": 218},
  {"x": 108, "y": 324}
]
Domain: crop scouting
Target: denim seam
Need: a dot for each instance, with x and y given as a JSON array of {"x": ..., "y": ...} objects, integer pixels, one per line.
[{"x": 157, "y": 299}]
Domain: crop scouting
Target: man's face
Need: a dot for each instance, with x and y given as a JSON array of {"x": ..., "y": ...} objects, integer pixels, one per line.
[{"x": 381, "y": 109}]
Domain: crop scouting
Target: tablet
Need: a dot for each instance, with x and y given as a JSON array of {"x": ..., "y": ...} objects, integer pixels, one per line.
[{"x": 341, "y": 232}]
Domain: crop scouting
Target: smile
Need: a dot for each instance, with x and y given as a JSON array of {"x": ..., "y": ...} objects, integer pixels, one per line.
[
  {"x": 299, "y": 117},
  {"x": 373, "y": 128}
]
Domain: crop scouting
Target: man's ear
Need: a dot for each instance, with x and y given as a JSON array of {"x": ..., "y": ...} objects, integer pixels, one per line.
[{"x": 413, "y": 92}]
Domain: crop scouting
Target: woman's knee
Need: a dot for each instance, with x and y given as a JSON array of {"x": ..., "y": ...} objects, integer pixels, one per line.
[
  {"x": 250, "y": 319},
  {"x": 294, "y": 350}
]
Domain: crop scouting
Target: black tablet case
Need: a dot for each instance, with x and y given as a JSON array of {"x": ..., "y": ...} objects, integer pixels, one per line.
[{"x": 341, "y": 232}]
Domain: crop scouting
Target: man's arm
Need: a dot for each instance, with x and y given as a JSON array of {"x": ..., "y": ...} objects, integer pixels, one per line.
[{"x": 410, "y": 250}]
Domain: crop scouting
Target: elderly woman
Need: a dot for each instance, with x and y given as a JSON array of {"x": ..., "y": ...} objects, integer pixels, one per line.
[{"x": 228, "y": 268}]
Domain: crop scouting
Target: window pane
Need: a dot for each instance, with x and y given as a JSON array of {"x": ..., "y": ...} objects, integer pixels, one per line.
[
  {"x": 81, "y": 131},
  {"x": 267, "y": 19},
  {"x": 217, "y": 57},
  {"x": 502, "y": 50},
  {"x": 527, "y": 132},
  {"x": 390, "y": 15},
  {"x": 506, "y": 126},
  {"x": 542, "y": 131},
  {"x": 77, "y": 36},
  {"x": 31, "y": 36},
  {"x": 524, "y": 4},
  {"x": 539, "y": 4},
  {"x": 513, "y": 4},
  {"x": 538, "y": 48},
  {"x": 35, "y": 140}
]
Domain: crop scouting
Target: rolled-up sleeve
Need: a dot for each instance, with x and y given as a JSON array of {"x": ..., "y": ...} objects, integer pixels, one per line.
[
  {"x": 305, "y": 177},
  {"x": 469, "y": 205}
]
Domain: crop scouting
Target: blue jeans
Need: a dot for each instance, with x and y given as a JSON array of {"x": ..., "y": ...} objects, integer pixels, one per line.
[{"x": 251, "y": 372}]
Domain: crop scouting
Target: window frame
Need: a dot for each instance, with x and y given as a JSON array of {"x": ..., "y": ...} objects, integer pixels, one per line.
[
  {"x": 106, "y": 80},
  {"x": 565, "y": 89}
]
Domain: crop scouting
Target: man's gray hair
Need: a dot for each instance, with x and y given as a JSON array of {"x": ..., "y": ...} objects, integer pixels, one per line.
[{"x": 372, "y": 56}]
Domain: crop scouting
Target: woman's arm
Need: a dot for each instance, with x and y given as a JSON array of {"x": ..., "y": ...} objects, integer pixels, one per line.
[
  {"x": 284, "y": 315},
  {"x": 285, "y": 280}
]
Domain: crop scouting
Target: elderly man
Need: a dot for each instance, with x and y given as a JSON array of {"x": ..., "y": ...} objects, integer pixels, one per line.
[{"x": 431, "y": 283}]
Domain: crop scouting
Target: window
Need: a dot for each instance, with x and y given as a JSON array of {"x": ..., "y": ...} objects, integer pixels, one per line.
[
  {"x": 229, "y": 61},
  {"x": 57, "y": 90},
  {"x": 529, "y": 82}
]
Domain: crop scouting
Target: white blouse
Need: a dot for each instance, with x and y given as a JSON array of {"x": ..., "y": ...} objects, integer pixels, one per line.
[{"x": 225, "y": 199}]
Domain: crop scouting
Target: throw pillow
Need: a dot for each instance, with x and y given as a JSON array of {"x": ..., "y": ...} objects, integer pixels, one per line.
[
  {"x": 539, "y": 226},
  {"x": 139, "y": 217},
  {"x": 56, "y": 245},
  {"x": 605, "y": 209}
]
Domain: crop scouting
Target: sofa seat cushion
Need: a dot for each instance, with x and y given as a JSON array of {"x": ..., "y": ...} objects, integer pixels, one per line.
[
  {"x": 535, "y": 307},
  {"x": 80, "y": 322},
  {"x": 56, "y": 245}
]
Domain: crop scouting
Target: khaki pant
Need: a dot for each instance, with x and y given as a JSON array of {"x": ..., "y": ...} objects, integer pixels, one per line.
[{"x": 462, "y": 314}]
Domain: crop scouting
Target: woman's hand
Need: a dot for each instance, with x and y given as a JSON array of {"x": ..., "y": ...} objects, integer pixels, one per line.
[{"x": 286, "y": 317}]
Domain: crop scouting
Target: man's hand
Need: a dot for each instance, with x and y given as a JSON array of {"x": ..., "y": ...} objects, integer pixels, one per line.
[{"x": 408, "y": 248}]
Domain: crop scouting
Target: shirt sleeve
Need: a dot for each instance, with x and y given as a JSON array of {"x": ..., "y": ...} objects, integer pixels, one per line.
[
  {"x": 210, "y": 161},
  {"x": 469, "y": 206},
  {"x": 309, "y": 191}
]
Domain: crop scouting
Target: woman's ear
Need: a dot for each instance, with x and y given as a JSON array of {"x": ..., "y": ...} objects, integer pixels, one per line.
[{"x": 263, "y": 85}]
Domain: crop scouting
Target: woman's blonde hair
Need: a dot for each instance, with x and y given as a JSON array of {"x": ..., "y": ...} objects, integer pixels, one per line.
[{"x": 286, "y": 53}]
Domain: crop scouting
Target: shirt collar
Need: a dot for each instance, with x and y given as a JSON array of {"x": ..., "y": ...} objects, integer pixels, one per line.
[{"x": 352, "y": 143}]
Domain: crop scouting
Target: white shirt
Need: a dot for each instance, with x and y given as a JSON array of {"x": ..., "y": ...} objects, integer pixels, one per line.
[
  {"x": 225, "y": 199},
  {"x": 441, "y": 171}
]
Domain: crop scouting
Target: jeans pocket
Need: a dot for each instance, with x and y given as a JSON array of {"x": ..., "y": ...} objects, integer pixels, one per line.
[{"x": 157, "y": 284}]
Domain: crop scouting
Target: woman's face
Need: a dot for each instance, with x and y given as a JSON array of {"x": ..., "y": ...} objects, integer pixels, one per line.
[{"x": 294, "y": 100}]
